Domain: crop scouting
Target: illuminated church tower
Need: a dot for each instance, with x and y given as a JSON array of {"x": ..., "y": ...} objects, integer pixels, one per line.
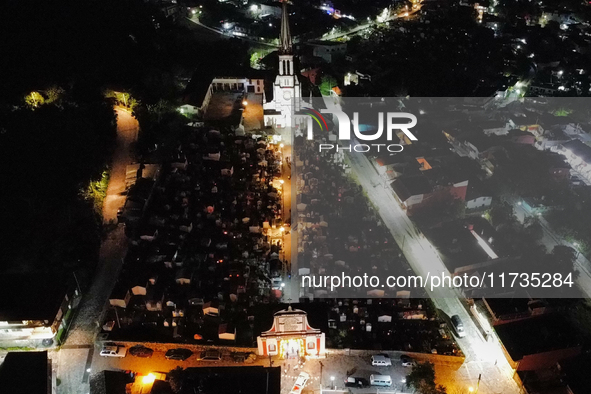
[{"x": 287, "y": 92}]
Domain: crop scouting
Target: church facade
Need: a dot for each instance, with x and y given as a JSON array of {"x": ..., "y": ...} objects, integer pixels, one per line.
[
  {"x": 291, "y": 336},
  {"x": 287, "y": 91}
]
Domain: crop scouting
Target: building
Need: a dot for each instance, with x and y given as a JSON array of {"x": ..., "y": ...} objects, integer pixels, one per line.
[
  {"x": 328, "y": 50},
  {"x": 27, "y": 373},
  {"x": 578, "y": 155},
  {"x": 538, "y": 342},
  {"x": 291, "y": 336},
  {"x": 287, "y": 91},
  {"x": 477, "y": 197},
  {"x": 34, "y": 308}
]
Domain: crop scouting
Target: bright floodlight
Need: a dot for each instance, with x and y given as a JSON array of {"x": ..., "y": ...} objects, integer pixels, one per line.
[
  {"x": 282, "y": 284},
  {"x": 148, "y": 379},
  {"x": 471, "y": 389},
  {"x": 245, "y": 102},
  {"x": 332, "y": 378},
  {"x": 253, "y": 7}
]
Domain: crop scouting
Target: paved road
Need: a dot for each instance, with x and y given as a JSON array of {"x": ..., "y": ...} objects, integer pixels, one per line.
[
  {"x": 550, "y": 239},
  {"x": 482, "y": 357},
  {"x": 75, "y": 357}
]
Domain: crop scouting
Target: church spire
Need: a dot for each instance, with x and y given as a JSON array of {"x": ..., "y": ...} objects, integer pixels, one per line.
[{"x": 285, "y": 38}]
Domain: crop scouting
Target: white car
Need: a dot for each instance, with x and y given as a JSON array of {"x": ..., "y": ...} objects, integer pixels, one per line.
[
  {"x": 114, "y": 351},
  {"x": 300, "y": 383},
  {"x": 381, "y": 360}
]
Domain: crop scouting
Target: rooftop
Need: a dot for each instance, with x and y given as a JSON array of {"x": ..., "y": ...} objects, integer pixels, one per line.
[
  {"x": 406, "y": 187},
  {"x": 30, "y": 296},
  {"x": 579, "y": 149},
  {"x": 537, "y": 335},
  {"x": 24, "y": 373}
]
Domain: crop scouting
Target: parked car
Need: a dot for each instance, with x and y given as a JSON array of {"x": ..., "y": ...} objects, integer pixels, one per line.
[
  {"x": 407, "y": 361},
  {"x": 300, "y": 383},
  {"x": 113, "y": 351},
  {"x": 458, "y": 326},
  {"x": 381, "y": 360},
  {"x": 210, "y": 355},
  {"x": 179, "y": 354},
  {"x": 356, "y": 382},
  {"x": 141, "y": 351},
  {"x": 380, "y": 380}
]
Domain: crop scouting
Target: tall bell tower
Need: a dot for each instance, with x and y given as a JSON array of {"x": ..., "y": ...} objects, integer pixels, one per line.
[{"x": 287, "y": 93}]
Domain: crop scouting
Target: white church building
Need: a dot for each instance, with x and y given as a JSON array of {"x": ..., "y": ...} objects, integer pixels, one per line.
[{"x": 287, "y": 91}]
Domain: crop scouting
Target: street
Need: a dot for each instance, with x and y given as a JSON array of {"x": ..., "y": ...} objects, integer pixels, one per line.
[
  {"x": 75, "y": 357},
  {"x": 482, "y": 357}
]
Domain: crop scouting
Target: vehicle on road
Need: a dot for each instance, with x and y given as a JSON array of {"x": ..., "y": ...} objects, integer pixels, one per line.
[
  {"x": 113, "y": 351},
  {"x": 381, "y": 360},
  {"x": 458, "y": 326},
  {"x": 300, "y": 383},
  {"x": 141, "y": 351},
  {"x": 380, "y": 380},
  {"x": 407, "y": 361},
  {"x": 179, "y": 354},
  {"x": 210, "y": 355},
  {"x": 356, "y": 382}
]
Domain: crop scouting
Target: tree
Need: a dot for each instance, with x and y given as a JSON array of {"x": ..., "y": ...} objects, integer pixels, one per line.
[
  {"x": 422, "y": 379},
  {"x": 562, "y": 259},
  {"x": 501, "y": 213},
  {"x": 328, "y": 82},
  {"x": 176, "y": 378},
  {"x": 534, "y": 228}
]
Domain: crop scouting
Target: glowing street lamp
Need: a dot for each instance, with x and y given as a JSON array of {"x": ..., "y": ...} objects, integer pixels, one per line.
[
  {"x": 471, "y": 389},
  {"x": 332, "y": 380},
  {"x": 245, "y": 103},
  {"x": 149, "y": 378}
]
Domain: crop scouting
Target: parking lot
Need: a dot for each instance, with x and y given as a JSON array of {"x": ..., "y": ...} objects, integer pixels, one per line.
[{"x": 322, "y": 371}]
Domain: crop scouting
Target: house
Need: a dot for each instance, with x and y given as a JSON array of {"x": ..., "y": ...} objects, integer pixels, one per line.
[
  {"x": 543, "y": 90},
  {"x": 477, "y": 197},
  {"x": 27, "y": 373},
  {"x": 578, "y": 155},
  {"x": 520, "y": 306},
  {"x": 328, "y": 50},
  {"x": 475, "y": 145},
  {"x": 411, "y": 190},
  {"x": 558, "y": 168},
  {"x": 34, "y": 307},
  {"x": 518, "y": 136},
  {"x": 538, "y": 342},
  {"x": 496, "y": 127}
]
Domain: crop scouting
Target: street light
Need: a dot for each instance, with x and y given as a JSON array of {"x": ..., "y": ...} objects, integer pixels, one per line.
[
  {"x": 471, "y": 389},
  {"x": 332, "y": 380},
  {"x": 149, "y": 378}
]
